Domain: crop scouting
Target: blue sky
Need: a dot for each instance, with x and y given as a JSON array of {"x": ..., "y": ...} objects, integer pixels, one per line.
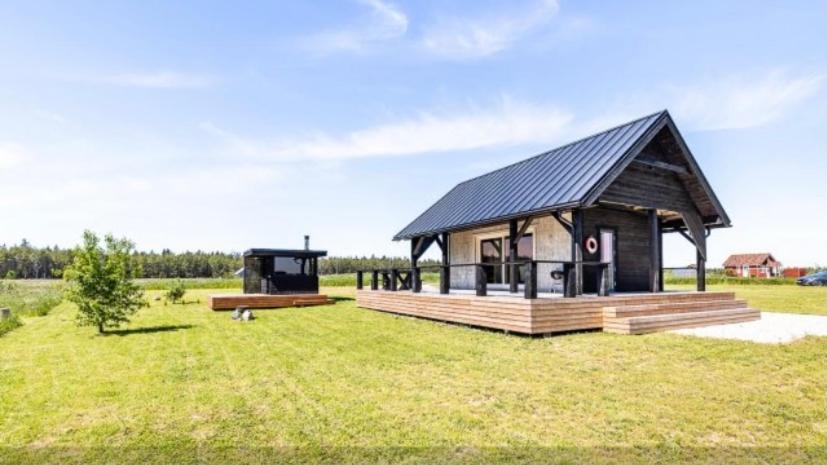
[{"x": 226, "y": 125}]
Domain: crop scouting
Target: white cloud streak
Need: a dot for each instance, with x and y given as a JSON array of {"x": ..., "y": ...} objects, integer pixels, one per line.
[
  {"x": 730, "y": 103},
  {"x": 738, "y": 102},
  {"x": 385, "y": 21},
  {"x": 468, "y": 38},
  {"x": 158, "y": 80},
  {"x": 509, "y": 123}
]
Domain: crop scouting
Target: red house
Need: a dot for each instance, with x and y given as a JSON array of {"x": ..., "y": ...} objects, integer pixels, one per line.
[{"x": 752, "y": 265}]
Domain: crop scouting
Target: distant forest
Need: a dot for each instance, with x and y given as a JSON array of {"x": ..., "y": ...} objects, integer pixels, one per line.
[{"x": 24, "y": 261}]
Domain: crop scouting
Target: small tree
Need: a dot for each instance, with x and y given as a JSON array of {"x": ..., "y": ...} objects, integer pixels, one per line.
[
  {"x": 101, "y": 282},
  {"x": 176, "y": 291}
]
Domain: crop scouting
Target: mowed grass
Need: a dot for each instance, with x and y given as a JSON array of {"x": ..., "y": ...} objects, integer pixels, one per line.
[
  {"x": 774, "y": 298},
  {"x": 340, "y": 384}
]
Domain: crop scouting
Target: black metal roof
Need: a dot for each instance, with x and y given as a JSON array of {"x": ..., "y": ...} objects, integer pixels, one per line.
[
  {"x": 561, "y": 178},
  {"x": 298, "y": 253}
]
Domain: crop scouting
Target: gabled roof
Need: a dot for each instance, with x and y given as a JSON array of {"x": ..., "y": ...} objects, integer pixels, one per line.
[
  {"x": 569, "y": 176},
  {"x": 750, "y": 259}
]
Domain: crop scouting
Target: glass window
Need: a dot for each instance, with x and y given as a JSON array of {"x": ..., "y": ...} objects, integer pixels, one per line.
[
  {"x": 287, "y": 265},
  {"x": 491, "y": 252},
  {"x": 525, "y": 252}
]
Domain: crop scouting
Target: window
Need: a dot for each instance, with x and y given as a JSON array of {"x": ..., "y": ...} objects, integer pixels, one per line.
[
  {"x": 287, "y": 265},
  {"x": 493, "y": 248},
  {"x": 525, "y": 252}
]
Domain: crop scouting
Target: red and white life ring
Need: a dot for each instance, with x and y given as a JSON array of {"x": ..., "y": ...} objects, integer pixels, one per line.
[{"x": 591, "y": 244}]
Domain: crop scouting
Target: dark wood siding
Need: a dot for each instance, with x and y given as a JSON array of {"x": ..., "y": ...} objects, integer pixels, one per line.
[
  {"x": 649, "y": 187},
  {"x": 632, "y": 247}
]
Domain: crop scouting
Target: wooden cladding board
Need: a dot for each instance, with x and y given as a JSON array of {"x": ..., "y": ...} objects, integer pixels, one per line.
[
  {"x": 264, "y": 301},
  {"x": 669, "y": 321},
  {"x": 515, "y": 314}
]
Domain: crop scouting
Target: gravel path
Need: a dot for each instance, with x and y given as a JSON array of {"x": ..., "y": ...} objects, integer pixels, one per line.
[{"x": 772, "y": 328}]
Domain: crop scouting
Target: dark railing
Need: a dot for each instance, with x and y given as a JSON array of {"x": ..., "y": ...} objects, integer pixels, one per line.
[{"x": 395, "y": 279}]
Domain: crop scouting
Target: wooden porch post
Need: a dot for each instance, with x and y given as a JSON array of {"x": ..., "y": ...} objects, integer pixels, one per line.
[
  {"x": 577, "y": 248},
  {"x": 394, "y": 279},
  {"x": 700, "y": 270},
  {"x": 654, "y": 251},
  {"x": 445, "y": 271},
  {"x": 660, "y": 258},
  {"x": 481, "y": 281},
  {"x": 414, "y": 246},
  {"x": 513, "y": 279}
]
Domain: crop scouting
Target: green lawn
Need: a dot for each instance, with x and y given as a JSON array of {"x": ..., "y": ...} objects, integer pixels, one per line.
[
  {"x": 775, "y": 298},
  {"x": 340, "y": 384}
]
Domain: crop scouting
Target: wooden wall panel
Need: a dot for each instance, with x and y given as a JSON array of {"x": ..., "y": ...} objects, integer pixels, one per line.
[{"x": 632, "y": 247}]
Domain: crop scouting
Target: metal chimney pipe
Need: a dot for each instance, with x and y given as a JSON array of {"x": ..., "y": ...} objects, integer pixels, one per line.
[{"x": 306, "y": 242}]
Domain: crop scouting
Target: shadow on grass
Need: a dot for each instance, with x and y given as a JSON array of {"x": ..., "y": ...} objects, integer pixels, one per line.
[
  {"x": 148, "y": 330},
  {"x": 340, "y": 298}
]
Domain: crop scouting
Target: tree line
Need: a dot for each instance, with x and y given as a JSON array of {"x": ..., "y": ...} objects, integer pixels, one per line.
[{"x": 25, "y": 261}]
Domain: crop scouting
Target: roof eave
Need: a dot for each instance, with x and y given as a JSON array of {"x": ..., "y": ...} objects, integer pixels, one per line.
[{"x": 491, "y": 221}]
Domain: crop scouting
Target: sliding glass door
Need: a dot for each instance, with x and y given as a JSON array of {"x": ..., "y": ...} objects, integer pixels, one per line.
[
  {"x": 491, "y": 251},
  {"x": 525, "y": 252},
  {"x": 495, "y": 251}
]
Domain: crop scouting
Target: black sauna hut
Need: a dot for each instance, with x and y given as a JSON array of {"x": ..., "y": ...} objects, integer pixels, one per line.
[{"x": 282, "y": 271}]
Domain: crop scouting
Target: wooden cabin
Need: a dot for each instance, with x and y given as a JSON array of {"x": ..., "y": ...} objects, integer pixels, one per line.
[
  {"x": 586, "y": 218},
  {"x": 752, "y": 265},
  {"x": 281, "y": 271},
  {"x": 276, "y": 278}
]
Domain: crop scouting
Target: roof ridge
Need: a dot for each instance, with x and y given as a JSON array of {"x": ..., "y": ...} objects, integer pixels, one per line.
[{"x": 577, "y": 141}]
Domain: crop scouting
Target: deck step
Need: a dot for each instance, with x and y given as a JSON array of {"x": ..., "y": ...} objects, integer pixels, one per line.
[
  {"x": 665, "y": 322},
  {"x": 673, "y": 307}
]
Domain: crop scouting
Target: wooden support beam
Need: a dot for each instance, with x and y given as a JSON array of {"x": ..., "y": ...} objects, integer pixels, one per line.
[
  {"x": 513, "y": 279},
  {"x": 481, "y": 281},
  {"x": 577, "y": 249},
  {"x": 559, "y": 217},
  {"x": 359, "y": 279},
  {"x": 445, "y": 272},
  {"x": 394, "y": 279},
  {"x": 696, "y": 228},
  {"x": 660, "y": 257},
  {"x": 417, "y": 280},
  {"x": 523, "y": 229},
  {"x": 419, "y": 246},
  {"x": 700, "y": 270},
  {"x": 416, "y": 245},
  {"x": 374, "y": 280},
  {"x": 654, "y": 250},
  {"x": 531, "y": 280},
  {"x": 661, "y": 165}
]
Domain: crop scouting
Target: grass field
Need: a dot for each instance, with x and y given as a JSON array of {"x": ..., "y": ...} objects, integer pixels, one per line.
[
  {"x": 775, "y": 298},
  {"x": 340, "y": 384}
]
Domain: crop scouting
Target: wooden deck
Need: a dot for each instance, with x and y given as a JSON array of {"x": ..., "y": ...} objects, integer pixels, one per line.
[
  {"x": 264, "y": 301},
  {"x": 621, "y": 313}
]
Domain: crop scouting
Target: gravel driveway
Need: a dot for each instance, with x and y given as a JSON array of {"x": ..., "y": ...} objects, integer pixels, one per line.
[{"x": 772, "y": 328}]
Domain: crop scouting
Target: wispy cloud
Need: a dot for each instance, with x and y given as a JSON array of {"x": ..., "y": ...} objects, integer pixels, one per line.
[
  {"x": 738, "y": 102},
  {"x": 157, "y": 80},
  {"x": 730, "y": 101},
  {"x": 385, "y": 21},
  {"x": 508, "y": 123},
  {"x": 464, "y": 38},
  {"x": 11, "y": 155}
]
